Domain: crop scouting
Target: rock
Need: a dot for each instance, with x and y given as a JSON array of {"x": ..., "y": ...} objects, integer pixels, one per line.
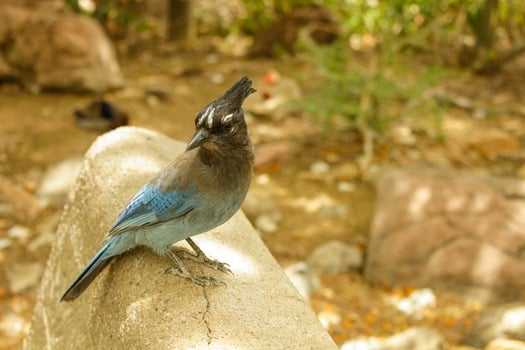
[
  {"x": 416, "y": 303},
  {"x": 133, "y": 303},
  {"x": 58, "y": 180},
  {"x": 319, "y": 167},
  {"x": 414, "y": 338},
  {"x": 266, "y": 224},
  {"x": 262, "y": 211},
  {"x": 449, "y": 231},
  {"x": 503, "y": 321},
  {"x": 19, "y": 232},
  {"x": 329, "y": 318},
  {"x": 363, "y": 343},
  {"x": 5, "y": 243},
  {"x": 12, "y": 324},
  {"x": 304, "y": 279},
  {"x": 505, "y": 344},
  {"x": 336, "y": 257},
  {"x": 53, "y": 48}
]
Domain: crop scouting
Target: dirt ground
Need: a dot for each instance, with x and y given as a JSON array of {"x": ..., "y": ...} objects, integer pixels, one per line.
[{"x": 39, "y": 130}]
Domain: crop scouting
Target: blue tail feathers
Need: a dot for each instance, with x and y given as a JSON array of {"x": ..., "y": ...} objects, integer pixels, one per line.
[{"x": 92, "y": 269}]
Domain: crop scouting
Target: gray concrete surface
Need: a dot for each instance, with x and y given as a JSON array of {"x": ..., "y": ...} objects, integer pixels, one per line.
[{"x": 133, "y": 304}]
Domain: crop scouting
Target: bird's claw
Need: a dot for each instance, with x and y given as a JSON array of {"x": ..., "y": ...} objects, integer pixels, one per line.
[
  {"x": 200, "y": 257},
  {"x": 204, "y": 281},
  {"x": 181, "y": 270},
  {"x": 203, "y": 259}
]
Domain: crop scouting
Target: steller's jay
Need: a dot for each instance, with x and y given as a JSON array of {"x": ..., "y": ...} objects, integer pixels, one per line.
[{"x": 199, "y": 190}]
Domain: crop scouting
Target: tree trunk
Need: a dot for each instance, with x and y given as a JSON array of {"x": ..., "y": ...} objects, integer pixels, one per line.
[
  {"x": 482, "y": 25},
  {"x": 179, "y": 21}
]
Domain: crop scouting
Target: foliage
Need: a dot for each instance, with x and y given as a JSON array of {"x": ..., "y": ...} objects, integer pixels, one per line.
[
  {"x": 111, "y": 13},
  {"x": 368, "y": 97},
  {"x": 372, "y": 94}
]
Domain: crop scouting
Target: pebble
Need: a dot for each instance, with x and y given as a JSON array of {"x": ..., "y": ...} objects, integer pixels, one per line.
[
  {"x": 329, "y": 318},
  {"x": 414, "y": 338},
  {"x": 336, "y": 257},
  {"x": 304, "y": 279},
  {"x": 19, "y": 232},
  {"x": 507, "y": 320},
  {"x": 58, "y": 179},
  {"x": 319, "y": 168},
  {"x": 345, "y": 187},
  {"x": 265, "y": 223},
  {"x": 5, "y": 243},
  {"x": 12, "y": 324},
  {"x": 416, "y": 302}
]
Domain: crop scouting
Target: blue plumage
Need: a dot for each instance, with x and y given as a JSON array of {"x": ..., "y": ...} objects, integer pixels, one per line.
[
  {"x": 201, "y": 189},
  {"x": 150, "y": 206}
]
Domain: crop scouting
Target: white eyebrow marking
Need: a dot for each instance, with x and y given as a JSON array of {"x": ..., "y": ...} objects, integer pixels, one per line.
[
  {"x": 208, "y": 116},
  {"x": 227, "y": 118}
]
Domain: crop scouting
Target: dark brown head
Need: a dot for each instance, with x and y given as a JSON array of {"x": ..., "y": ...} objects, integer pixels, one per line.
[{"x": 221, "y": 123}]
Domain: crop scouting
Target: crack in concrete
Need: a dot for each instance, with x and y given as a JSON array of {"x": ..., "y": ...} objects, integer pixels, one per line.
[{"x": 206, "y": 311}]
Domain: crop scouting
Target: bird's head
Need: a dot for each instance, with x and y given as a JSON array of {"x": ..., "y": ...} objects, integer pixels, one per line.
[{"x": 222, "y": 121}]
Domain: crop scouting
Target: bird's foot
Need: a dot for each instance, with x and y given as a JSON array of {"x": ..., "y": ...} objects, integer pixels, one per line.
[
  {"x": 200, "y": 257},
  {"x": 180, "y": 269}
]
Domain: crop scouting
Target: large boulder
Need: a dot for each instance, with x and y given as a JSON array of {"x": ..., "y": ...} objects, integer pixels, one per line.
[
  {"x": 49, "y": 47},
  {"x": 451, "y": 231},
  {"x": 133, "y": 304}
]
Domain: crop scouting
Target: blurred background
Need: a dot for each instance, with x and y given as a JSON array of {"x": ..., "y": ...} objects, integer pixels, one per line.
[{"x": 389, "y": 136}]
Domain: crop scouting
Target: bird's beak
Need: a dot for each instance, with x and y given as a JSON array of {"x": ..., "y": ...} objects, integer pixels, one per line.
[{"x": 201, "y": 135}]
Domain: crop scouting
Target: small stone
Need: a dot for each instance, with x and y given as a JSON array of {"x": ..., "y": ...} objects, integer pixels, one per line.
[
  {"x": 415, "y": 338},
  {"x": 304, "y": 279},
  {"x": 363, "y": 343},
  {"x": 263, "y": 179},
  {"x": 327, "y": 211},
  {"x": 58, "y": 179},
  {"x": 13, "y": 325},
  {"x": 403, "y": 135},
  {"x": 336, "y": 257},
  {"x": 319, "y": 168},
  {"x": 5, "y": 243},
  {"x": 217, "y": 78},
  {"x": 19, "y": 232},
  {"x": 503, "y": 321},
  {"x": 329, "y": 318},
  {"x": 416, "y": 302},
  {"x": 346, "y": 187},
  {"x": 152, "y": 100},
  {"x": 265, "y": 223},
  {"x": 257, "y": 204},
  {"x": 505, "y": 344},
  {"x": 160, "y": 92}
]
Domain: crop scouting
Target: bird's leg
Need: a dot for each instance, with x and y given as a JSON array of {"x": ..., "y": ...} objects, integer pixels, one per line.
[
  {"x": 181, "y": 270},
  {"x": 200, "y": 257}
]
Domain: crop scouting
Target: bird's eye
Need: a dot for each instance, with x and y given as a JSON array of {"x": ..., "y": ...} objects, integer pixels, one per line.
[{"x": 229, "y": 128}]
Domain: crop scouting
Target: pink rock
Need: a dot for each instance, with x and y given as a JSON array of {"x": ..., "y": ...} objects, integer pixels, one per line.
[{"x": 450, "y": 231}]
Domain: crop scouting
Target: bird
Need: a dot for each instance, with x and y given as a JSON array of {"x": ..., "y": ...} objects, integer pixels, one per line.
[{"x": 199, "y": 190}]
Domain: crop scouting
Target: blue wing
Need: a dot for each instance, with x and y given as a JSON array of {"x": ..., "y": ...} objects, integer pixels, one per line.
[{"x": 151, "y": 206}]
